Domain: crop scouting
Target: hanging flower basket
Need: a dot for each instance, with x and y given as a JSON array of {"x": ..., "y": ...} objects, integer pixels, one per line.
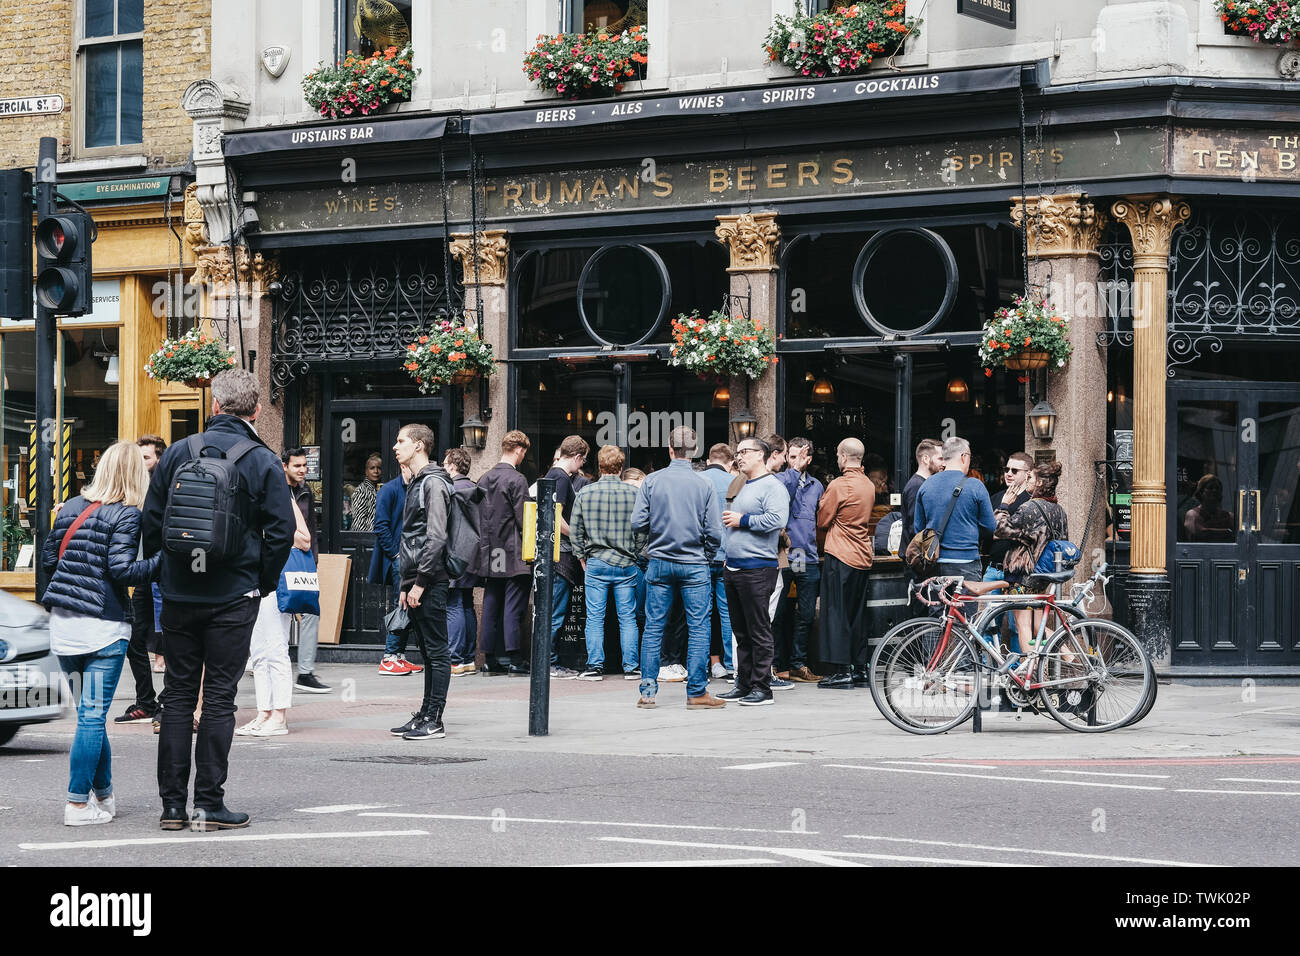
[
  {"x": 839, "y": 42},
  {"x": 721, "y": 346},
  {"x": 448, "y": 355},
  {"x": 578, "y": 65},
  {"x": 193, "y": 359},
  {"x": 1028, "y": 335},
  {"x": 360, "y": 85},
  {"x": 1275, "y": 23}
]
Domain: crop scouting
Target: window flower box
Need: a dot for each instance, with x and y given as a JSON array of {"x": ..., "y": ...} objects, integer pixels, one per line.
[
  {"x": 839, "y": 42},
  {"x": 1276, "y": 23},
  {"x": 360, "y": 85},
  {"x": 585, "y": 65}
]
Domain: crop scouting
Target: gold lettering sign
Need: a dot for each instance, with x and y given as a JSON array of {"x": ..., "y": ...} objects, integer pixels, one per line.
[{"x": 1234, "y": 154}]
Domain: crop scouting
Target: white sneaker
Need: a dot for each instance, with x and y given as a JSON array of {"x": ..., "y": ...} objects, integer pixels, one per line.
[
  {"x": 672, "y": 673},
  {"x": 84, "y": 816},
  {"x": 718, "y": 671},
  {"x": 108, "y": 804},
  {"x": 250, "y": 729},
  {"x": 270, "y": 728}
]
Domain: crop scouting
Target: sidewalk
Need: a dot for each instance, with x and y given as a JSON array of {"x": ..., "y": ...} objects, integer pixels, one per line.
[{"x": 491, "y": 714}]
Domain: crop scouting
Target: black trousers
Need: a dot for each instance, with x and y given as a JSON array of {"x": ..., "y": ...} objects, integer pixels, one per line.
[
  {"x": 429, "y": 627},
  {"x": 137, "y": 651},
  {"x": 505, "y": 601},
  {"x": 844, "y": 616},
  {"x": 208, "y": 645},
  {"x": 748, "y": 591}
]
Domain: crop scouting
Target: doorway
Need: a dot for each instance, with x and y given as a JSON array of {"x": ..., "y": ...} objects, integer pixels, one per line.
[{"x": 1233, "y": 485}]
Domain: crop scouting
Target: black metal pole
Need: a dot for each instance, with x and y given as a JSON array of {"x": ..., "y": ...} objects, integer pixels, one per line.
[
  {"x": 904, "y": 464},
  {"x": 539, "y": 692},
  {"x": 46, "y": 330}
]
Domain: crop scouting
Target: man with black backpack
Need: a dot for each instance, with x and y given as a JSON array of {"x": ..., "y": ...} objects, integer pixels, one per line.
[
  {"x": 219, "y": 510},
  {"x": 423, "y": 554}
]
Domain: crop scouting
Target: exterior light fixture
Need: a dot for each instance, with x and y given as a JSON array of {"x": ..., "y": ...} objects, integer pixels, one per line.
[
  {"x": 1042, "y": 420},
  {"x": 745, "y": 424},
  {"x": 475, "y": 432}
]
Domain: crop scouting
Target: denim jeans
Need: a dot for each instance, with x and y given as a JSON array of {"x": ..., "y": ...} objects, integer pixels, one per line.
[
  {"x": 996, "y": 574},
  {"x": 308, "y": 638},
  {"x": 724, "y": 616},
  {"x": 807, "y": 583},
  {"x": 664, "y": 579},
  {"x": 560, "y": 591},
  {"x": 601, "y": 579},
  {"x": 395, "y": 643},
  {"x": 462, "y": 625},
  {"x": 91, "y": 759}
]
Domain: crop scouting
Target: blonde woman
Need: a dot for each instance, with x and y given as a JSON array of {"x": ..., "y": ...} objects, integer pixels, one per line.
[{"x": 90, "y": 559}]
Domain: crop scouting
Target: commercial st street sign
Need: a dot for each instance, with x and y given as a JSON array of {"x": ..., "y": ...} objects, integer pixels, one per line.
[{"x": 32, "y": 105}]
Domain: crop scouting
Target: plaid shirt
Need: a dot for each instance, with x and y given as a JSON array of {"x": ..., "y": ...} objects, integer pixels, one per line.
[{"x": 601, "y": 524}]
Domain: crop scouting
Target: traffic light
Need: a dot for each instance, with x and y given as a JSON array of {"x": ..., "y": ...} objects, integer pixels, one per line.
[
  {"x": 16, "y": 244},
  {"x": 63, "y": 278}
]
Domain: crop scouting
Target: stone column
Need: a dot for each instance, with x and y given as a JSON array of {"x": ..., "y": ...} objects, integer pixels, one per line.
[
  {"x": 1151, "y": 221},
  {"x": 486, "y": 283},
  {"x": 753, "y": 240},
  {"x": 1064, "y": 233}
]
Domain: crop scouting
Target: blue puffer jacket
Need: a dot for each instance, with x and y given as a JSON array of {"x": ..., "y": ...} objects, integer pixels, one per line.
[{"x": 99, "y": 564}]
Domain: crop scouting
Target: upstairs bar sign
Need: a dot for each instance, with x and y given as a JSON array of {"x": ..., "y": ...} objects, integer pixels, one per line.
[{"x": 1001, "y": 12}]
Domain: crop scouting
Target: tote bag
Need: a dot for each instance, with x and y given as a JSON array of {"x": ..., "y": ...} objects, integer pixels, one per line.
[{"x": 299, "y": 589}]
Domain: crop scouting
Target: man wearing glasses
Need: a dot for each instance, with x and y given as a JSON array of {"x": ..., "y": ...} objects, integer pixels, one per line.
[
  {"x": 959, "y": 548},
  {"x": 573, "y": 452},
  {"x": 1018, "y": 477}
]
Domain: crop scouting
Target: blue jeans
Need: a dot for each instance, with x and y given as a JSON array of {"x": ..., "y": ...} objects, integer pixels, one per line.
[
  {"x": 91, "y": 759},
  {"x": 395, "y": 643},
  {"x": 995, "y": 574},
  {"x": 462, "y": 625},
  {"x": 724, "y": 616},
  {"x": 559, "y": 608},
  {"x": 808, "y": 584},
  {"x": 600, "y": 580},
  {"x": 664, "y": 579}
]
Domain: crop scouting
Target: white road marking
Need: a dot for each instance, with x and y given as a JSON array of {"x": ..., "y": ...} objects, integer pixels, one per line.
[
  {"x": 989, "y": 776},
  {"x": 220, "y": 838},
  {"x": 32, "y": 760},
  {"x": 1099, "y": 773},
  {"x": 583, "y": 823},
  {"x": 763, "y": 766},
  {"x": 1258, "y": 793},
  {"x": 748, "y": 861},
  {"x": 346, "y": 807},
  {"x": 923, "y": 763},
  {"x": 1008, "y": 849},
  {"x": 1252, "y": 780},
  {"x": 825, "y": 857}
]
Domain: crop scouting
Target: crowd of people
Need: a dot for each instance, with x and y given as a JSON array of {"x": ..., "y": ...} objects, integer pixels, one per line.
[{"x": 744, "y": 537}]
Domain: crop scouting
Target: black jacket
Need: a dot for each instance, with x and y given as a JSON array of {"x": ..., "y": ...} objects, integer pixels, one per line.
[
  {"x": 270, "y": 519},
  {"x": 502, "y": 522},
  {"x": 423, "y": 549},
  {"x": 99, "y": 564}
]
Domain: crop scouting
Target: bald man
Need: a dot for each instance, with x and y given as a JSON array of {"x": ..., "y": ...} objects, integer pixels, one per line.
[{"x": 843, "y": 538}]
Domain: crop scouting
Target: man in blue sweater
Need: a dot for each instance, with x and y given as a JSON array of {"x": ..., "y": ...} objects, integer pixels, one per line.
[
  {"x": 678, "y": 510},
  {"x": 383, "y": 567},
  {"x": 959, "y": 549},
  {"x": 754, "y": 524}
]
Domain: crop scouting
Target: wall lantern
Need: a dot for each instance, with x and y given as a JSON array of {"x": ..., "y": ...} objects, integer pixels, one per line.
[
  {"x": 475, "y": 432},
  {"x": 1042, "y": 420},
  {"x": 745, "y": 423},
  {"x": 823, "y": 393},
  {"x": 958, "y": 390}
]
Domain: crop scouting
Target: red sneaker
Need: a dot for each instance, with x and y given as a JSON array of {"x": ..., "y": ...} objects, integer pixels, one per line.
[
  {"x": 410, "y": 668},
  {"x": 393, "y": 667}
]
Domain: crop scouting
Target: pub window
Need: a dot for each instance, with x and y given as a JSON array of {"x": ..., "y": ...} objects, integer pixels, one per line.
[
  {"x": 373, "y": 25},
  {"x": 606, "y": 16},
  {"x": 110, "y": 52}
]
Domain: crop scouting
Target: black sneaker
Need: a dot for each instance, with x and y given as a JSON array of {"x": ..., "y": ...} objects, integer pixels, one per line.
[
  {"x": 311, "y": 685},
  {"x": 592, "y": 673},
  {"x": 779, "y": 683},
  {"x": 417, "y": 717},
  {"x": 135, "y": 714},
  {"x": 219, "y": 819},
  {"x": 734, "y": 694},
  {"x": 517, "y": 670},
  {"x": 430, "y": 728},
  {"x": 173, "y": 818},
  {"x": 755, "y": 699}
]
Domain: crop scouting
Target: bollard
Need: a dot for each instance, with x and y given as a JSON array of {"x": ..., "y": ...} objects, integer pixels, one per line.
[{"x": 539, "y": 691}]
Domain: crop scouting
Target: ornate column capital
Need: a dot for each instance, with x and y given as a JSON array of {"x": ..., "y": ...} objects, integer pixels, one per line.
[
  {"x": 1151, "y": 221},
  {"x": 493, "y": 251},
  {"x": 256, "y": 270},
  {"x": 752, "y": 238},
  {"x": 1065, "y": 224}
]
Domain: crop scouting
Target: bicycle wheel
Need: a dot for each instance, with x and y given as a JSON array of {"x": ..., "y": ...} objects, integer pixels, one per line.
[
  {"x": 922, "y": 682},
  {"x": 1100, "y": 675}
]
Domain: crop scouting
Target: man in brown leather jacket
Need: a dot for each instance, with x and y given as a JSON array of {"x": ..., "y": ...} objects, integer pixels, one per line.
[{"x": 844, "y": 540}]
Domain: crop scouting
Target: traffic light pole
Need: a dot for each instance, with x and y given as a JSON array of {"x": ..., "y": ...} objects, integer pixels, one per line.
[{"x": 46, "y": 330}]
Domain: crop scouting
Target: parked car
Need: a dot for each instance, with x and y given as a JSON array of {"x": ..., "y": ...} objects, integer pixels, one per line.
[{"x": 31, "y": 683}]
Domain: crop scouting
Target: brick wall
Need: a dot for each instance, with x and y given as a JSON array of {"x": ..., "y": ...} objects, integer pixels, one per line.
[{"x": 37, "y": 46}]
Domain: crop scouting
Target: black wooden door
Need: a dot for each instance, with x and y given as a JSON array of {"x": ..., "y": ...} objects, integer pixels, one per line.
[{"x": 1233, "y": 476}]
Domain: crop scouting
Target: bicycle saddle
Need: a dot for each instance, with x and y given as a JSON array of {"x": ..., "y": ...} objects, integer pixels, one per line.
[
  {"x": 1056, "y": 577},
  {"x": 983, "y": 587}
]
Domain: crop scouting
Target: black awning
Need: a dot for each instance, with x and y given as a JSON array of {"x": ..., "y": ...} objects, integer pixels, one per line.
[
  {"x": 334, "y": 135},
  {"x": 859, "y": 88}
]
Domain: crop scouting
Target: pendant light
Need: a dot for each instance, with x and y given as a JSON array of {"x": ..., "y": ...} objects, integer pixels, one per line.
[{"x": 822, "y": 392}]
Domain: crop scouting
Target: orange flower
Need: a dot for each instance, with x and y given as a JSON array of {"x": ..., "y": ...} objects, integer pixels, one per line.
[
  {"x": 231, "y": 360},
  {"x": 1027, "y": 339},
  {"x": 711, "y": 358},
  {"x": 988, "y": 373},
  {"x": 435, "y": 349},
  {"x": 459, "y": 342},
  {"x": 423, "y": 339},
  {"x": 411, "y": 366}
]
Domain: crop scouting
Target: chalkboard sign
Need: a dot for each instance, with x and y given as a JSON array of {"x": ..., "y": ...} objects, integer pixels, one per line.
[
  {"x": 313, "y": 463},
  {"x": 571, "y": 642}
]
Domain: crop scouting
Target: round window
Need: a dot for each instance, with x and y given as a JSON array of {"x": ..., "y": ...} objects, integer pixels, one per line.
[
  {"x": 623, "y": 294},
  {"x": 905, "y": 281}
]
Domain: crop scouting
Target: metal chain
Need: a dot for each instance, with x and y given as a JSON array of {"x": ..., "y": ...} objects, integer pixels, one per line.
[
  {"x": 446, "y": 225},
  {"x": 1024, "y": 199},
  {"x": 1092, "y": 507}
]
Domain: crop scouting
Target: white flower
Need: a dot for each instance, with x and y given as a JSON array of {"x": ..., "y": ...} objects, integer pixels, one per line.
[
  {"x": 1060, "y": 362},
  {"x": 1006, "y": 321},
  {"x": 551, "y": 75}
]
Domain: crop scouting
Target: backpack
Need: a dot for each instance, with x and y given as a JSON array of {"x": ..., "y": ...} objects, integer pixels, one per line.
[
  {"x": 207, "y": 503},
  {"x": 922, "y": 554},
  {"x": 1068, "y": 552},
  {"x": 463, "y": 539}
]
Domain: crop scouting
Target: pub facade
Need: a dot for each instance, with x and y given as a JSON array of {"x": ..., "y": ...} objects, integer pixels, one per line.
[{"x": 874, "y": 222}]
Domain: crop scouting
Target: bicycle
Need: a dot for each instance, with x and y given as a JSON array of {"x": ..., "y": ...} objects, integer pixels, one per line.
[{"x": 1091, "y": 675}]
